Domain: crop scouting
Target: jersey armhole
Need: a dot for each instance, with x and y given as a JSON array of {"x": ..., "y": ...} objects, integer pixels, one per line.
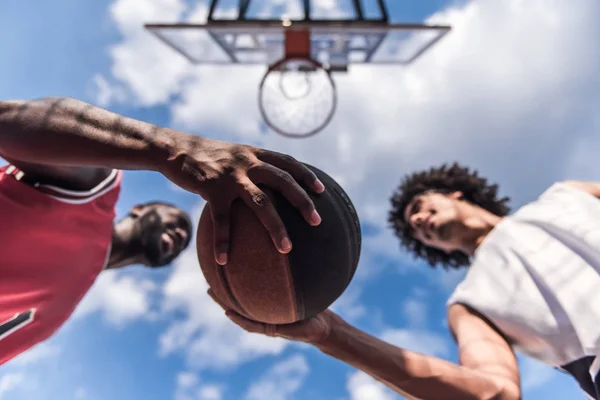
[{"x": 113, "y": 180}]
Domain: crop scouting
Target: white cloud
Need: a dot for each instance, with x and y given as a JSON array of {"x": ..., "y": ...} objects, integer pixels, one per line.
[
  {"x": 120, "y": 299},
  {"x": 210, "y": 392},
  {"x": 32, "y": 357},
  {"x": 105, "y": 92},
  {"x": 11, "y": 381},
  {"x": 185, "y": 380},
  {"x": 281, "y": 381},
  {"x": 27, "y": 375},
  {"x": 415, "y": 311},
  {"x": 361, "y": 386},
  {"x": 139, "y": 60},
  {"x": 189, "y": 387}
]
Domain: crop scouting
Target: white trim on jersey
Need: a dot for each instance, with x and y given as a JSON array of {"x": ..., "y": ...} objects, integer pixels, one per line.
[
  {"x": 85, "y": 196},
  {"x": 20, "y": 325},
  {"x": 70, "y": 196},
  {"x": 83, "y": 193},
  {"x": 107, "y": 258}
]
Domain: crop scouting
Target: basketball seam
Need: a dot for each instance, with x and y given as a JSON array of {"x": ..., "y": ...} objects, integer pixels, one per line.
[
  {"x": 228, "y": 291},
  {"x": 352, "y": 223},
  {"x": 299, "y": 302}
]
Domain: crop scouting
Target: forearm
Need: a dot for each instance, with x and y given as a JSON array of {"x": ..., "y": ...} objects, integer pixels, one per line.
[
  {"x": 59, "y": 131},
  {"x": 412, "y": 374}
]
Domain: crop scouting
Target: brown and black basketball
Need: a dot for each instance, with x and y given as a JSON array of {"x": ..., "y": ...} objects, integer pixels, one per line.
[{"x": 262, "y": 284}]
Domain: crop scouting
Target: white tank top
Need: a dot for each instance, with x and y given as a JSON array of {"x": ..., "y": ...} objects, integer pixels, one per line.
[{"x": 536, "y": 276}]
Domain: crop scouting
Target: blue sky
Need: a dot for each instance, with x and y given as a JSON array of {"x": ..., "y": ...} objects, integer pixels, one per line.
[{"x": 513, "y": 91}]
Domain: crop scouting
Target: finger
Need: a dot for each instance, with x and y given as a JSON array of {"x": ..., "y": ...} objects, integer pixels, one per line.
[
  {"x": 221, "y": 227},
  {"x": 263, "y": 207},
  {"x": 249, "y": 325},
  {"x": 237, "y": 318},
  {"x": 298, "y": 170},
  {"x": 287, "y": 185}
]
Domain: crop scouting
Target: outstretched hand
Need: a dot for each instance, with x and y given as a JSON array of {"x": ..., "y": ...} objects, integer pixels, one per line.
[
  {"x": 221, "y": 171},
  {"x": 313, "y": 330}
]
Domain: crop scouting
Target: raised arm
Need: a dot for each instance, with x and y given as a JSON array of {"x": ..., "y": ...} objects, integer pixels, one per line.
[
  {"x": 65, "y": 131},
  {"x": 591, "y": 187},
  {"x": 77, "y": 142},
  {"x": 482, "y": 348},
  {"x": 488, "y": 367},
  {"x": 59, "y": 140}
]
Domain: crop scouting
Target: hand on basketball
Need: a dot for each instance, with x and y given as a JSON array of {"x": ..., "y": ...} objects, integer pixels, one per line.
[
  {"x": 221, "y": 171},
  {"x": 312, "y": 330}
]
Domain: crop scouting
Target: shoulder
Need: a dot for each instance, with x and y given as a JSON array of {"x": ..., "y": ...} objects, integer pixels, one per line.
[
  {"x": 572, "y": 186},
  {"x": 20, "y": 185},
  {"x": 562, "y": 194},
  {"x": 592, "y": 188},
  {"x": 558, "y": 194}
]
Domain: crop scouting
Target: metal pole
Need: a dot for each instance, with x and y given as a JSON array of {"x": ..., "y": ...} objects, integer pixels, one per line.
[
  {"x": 358, "y": 9},
  {"x": 213, "y": 5},
  {"x": 383, "y": 10},
  {"x": 307, "y": 10},
  {"x": 243, "y": 9}
]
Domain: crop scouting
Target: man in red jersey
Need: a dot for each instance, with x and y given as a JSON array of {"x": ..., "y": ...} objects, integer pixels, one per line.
[{"x": 58, "y": 196}]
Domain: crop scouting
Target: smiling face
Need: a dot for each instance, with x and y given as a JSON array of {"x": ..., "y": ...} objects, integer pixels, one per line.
[
  {"x": 164, "y": 232},
  {"x": 435, "y": 219}
]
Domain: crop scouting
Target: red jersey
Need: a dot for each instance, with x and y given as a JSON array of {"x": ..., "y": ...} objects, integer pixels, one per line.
[{"x": 54, "y": 245}]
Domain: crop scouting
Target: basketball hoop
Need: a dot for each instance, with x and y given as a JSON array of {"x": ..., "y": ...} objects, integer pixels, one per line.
[{"x": 297, "y": 96}]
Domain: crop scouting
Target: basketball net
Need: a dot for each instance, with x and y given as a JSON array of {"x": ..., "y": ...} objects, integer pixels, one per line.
[{"x": 297, "y": 96}]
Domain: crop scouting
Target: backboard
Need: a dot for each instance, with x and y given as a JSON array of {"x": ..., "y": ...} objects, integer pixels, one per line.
[{"x": 317, "y": 44}]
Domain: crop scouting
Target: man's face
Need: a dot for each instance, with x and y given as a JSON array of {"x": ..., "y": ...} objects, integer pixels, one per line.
[
  {"x": 433, "y": 219},
  {"x": 164, "y": 232}
]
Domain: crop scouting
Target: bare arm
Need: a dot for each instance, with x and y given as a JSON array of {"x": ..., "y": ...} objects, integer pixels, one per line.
[
  {"x": 483, "y": 348},
  {"x": 75, "y": 142},
  {"x": 592, "y": 188},
  {"x": 488, "y": 367},
  {"x": 69, "y": 142}
]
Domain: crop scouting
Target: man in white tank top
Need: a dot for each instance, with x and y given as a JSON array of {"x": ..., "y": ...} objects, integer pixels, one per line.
[
  {"x": 533, "y": 276},
  {"x": 533, "y": 284}
]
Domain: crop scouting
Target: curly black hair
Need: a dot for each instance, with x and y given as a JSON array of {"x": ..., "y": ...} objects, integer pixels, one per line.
[{"x": 443, "y": 179}]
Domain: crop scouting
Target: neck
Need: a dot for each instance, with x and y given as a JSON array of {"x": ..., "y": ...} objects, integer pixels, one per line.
[
  {"x": 478, "y": 227},
  {"x": 122, "y": 253}
]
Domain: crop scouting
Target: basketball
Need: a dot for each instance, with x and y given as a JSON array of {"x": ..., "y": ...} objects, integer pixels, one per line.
[{"x": 264, "y": 285}]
